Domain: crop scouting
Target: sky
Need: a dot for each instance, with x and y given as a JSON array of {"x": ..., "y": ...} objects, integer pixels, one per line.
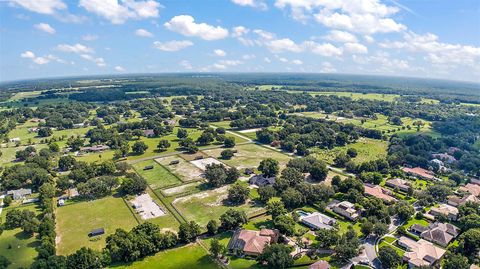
[{"x": 417, "y": 38}]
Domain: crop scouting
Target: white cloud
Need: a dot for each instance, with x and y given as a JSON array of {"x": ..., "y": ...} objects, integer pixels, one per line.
[
  {"x": 325, "y": 49},
  {"x": 76, "y": 48},
  {"x": 251, "y": 3},
  {"x": 248, "y": 56},
  {"x": 89, "y": 37},
  {"x": 327, "y": 68},
  {"x": 297, "y": 62},
  {"x": 285, "y": 44},
  {"x": 118, "y": 68},
  {"x": 355, "y": 48},
  {"x": 174, "y": 45},
  {"x": 40, "y": 6},
  {"x": 185, "y": 25},
  {"x": 267, "y": 60},
  {"x": 220, "y": 53},
  {"x": 340, "y": 36},
  {"x": 119, "y": 12},
  {"x": 369, "y": 38},
  {"x": 98, "y": 61},
  {"x": 45, "y": 27},
  {"x": 186, "y": 65},
  {"x": 362, "y": 16},
  {"x": 143, "y": 33},
  {"x": 40, "y": 60},
  {"x": 239, "y": 31},
  {"x": 437, "y": 52}
]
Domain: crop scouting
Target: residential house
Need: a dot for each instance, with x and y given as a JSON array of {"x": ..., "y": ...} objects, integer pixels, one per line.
[
  {"x": 440, "y": 233},
  {"x": 317, "y": 220},
  {"x": 456, "y": 201},
  {"x": 444, "y": 157},
  {"x": 379, "y": 192},
  {"x": 420, "y": 253},
  {"x": 96, "y": 148},
  {"x": 418, "y": 229},
  {"x": 448, "y": 211},
  {"x": 321, "y": 264},
  {"x": 471, "y": 188},
  {"x": 261, "y": 180},
  {"x": 419, "y": 172},
  {"x": 148, "y": 133},
  {"x": 251, "y": 242},
  {"x": 20, "y": 193},
  {"x": 399, "y": 183},
  {"x": 346, "y": 209}
]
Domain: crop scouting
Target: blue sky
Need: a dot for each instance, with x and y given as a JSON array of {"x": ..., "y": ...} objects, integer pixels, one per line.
[{"x": 421, "y": 38}]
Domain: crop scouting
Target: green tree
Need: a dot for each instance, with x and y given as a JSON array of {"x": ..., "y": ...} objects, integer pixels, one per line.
[
  {"x": 269, "y": 167},
  {"x": 389, "y": 257},
  {"x": 285, "y": 224},
  {"x": 163, "y": 145},
  {"x": 318, "y": 171},
  {"x": 4, "y": 262},
  {"x": 276, "y": 208},
  {"x": 227, "y": 154},
  {"x": 7, "y": 200},
  {"x": 276, "y": 256},
  {"x": 327, "y": 238},
  {"x": 85, "y": 258},
  {"x": 238, "y": 194},
  {"x": 188, "y": 231},
  {"x": 233, "y": 219},
  {"x": 139, "y": 147},
  {"x": 182, "y": 133},
  {"x": 229, "y": 142},
  {"x": 212, "y": 227},
  {"x": 266, "y": 193},
  {"x": 216, "y": 248},
  {"x": 133, "y": 184},
  {"x": 455, "y": 261}
]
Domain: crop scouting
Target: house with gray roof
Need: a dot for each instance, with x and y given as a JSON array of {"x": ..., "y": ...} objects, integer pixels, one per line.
[
  {"x": 317, "y": 221},
  {"x": 440, "y": 233},
  {"x": 20, "y": 193}
]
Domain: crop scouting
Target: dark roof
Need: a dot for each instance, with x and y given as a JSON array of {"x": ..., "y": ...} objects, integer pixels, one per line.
[{"x": 97, "y": 231}]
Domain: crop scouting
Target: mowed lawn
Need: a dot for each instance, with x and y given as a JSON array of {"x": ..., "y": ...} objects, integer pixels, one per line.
[
  {"x": 249, "y": 156},
  {"x": 367, "y": 149},
  {"x": 190, "y": 256},
  {"x": 183, "y": 169},
  {"x": 205, "y": 206},
  {"x": 16, "y": 246},
  {"x": 75, "y": 221},
  {"x": 158, "y": 177}
]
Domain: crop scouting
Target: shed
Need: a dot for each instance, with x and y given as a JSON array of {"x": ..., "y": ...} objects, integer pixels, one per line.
[
  {"x": 148, "y": 167},
  {"x": 96, "y": 232},
  {"x": 174, "y": 162},
  {"x": 198, "y": 157}
]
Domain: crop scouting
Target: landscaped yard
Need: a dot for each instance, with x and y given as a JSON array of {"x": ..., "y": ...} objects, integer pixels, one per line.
[
  {"x": 190, "y": 256},
  {"x": 205, "y": 206},
  {"x": 75, "y": 221},
  {"x": 16, "y": 246},
  {"x": 158, "y": 177},
  {"x": 367, "y": 149},
  {"x": 249, "y": 156}
]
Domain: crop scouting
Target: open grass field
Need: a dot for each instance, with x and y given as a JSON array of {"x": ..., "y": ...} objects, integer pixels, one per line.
[
  {"x": 204, "y": 206},
  {"x": 249, "y": 156},
  {"x": 358, "y": 96},
  {"x": 24, "y": 95},
  {"x": 184, "y": 170},
  {"x": 96, "y": 157},
  {"x": 76, "y": 220},
  {"x": 16, "y": 246},
  {"x": 185, "y": 188},
  {"x": 190, "y": 256},
  {"x": 158, "y": 177},
  {"x": 368, "y": 149}
]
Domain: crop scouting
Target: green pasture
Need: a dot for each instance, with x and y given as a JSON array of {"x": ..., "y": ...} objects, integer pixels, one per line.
[
  {"x": 76, "y": 220},
  {"x": 158, "y": 177}
]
